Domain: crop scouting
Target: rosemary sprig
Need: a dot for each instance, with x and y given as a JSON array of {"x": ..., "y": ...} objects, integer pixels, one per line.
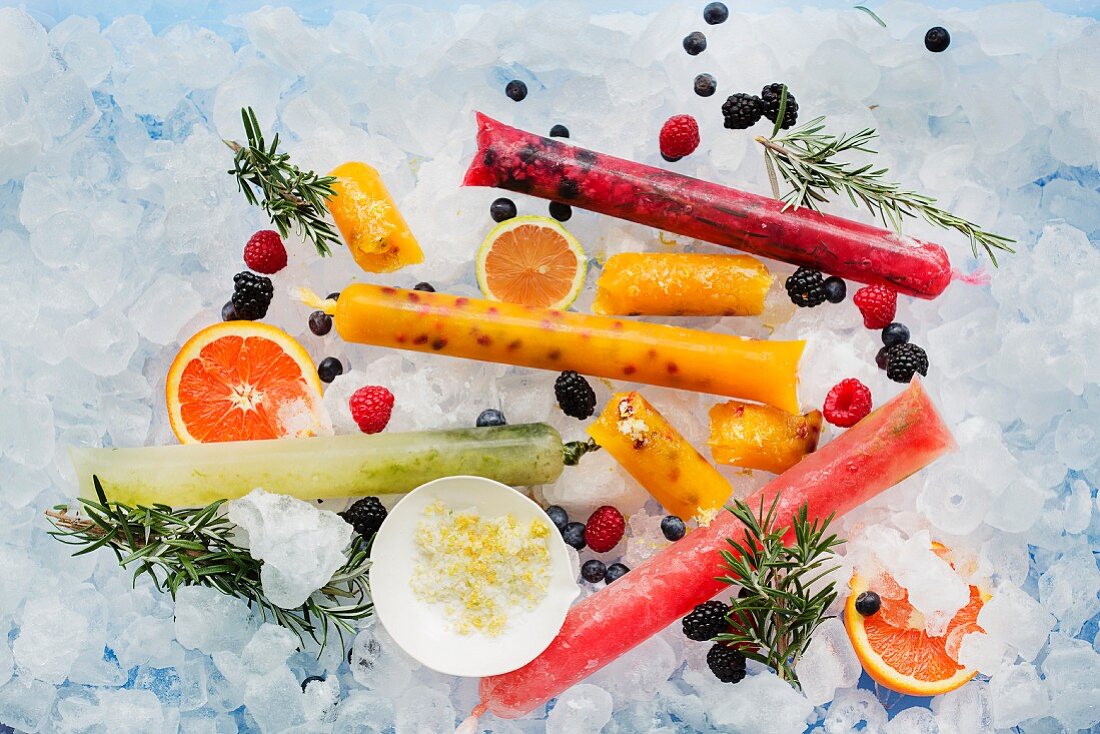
[
  {"x": 195, "y": 547},
  {"x": 288, "y": 195},
  {"x": 805, "y": 159},
  {"x": 778, "y": 610}
]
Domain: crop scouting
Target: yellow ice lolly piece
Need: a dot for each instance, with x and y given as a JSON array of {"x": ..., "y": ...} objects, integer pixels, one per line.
[
  {"x": 661, "y": 459},
  {"x": 372, "y": 226},
  {"x": 681, "y": 284},
  {"x": 760, "y": 436}
]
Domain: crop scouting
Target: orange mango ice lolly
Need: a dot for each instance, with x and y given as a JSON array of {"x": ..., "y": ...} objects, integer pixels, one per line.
[
  {"x": 681, "y": 284},
  {"x": 900, "y": 438},
  {"x": 764, "y": 371},
  {"x": 662, "y": 460},
  {"x": 370, "y": 222}
]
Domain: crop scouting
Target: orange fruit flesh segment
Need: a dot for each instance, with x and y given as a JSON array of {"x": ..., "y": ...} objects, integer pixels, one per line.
[
  {"x": 370, "y": 222},
  {"x": 531, "y": 265}
]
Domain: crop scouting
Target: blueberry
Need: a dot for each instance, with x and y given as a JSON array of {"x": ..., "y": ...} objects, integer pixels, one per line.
[
  {"x": 671, "y": 158},
  {"x": 559, "y": 131},
  {"x": 880, "y": 358},
  {"x": 867, "y": 603},
  {"x": 491, "y": 417},
  {"x": 695, "y": 43},
  {"x": 673, "y": 527},
  {"x": 329, "y": 369},
  {"x": 705, "y": 85},
  {"x": 835, "y": 289},
  {"x": 229, "y": 313},
  {"x": 573, "y": 534},
  {"x": 937, "y": 39},
  {"x": 558, "y": 516},
  {"x": 320, "y": 323},
  {"x": 615, "y": 572},
  {"x": 716, "y": 13},
  {"x": 593, "y": 571},
  {"x": 312, "y": 678},
  {"x": 502, "y": 209},
  {"x": 426, "y": 287},
  {"x": 516, "y": 90},
  {"x": 560, "y": 212},
  {"x": 895, "y": 333},
  {"x": 333, "y": 296}
]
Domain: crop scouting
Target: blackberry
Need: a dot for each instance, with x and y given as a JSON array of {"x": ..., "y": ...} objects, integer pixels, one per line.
[
  {"x": 770, "y": 96},
  {"x": 502, "y": 209},
  {"x": 490, "y": 417},
  {"x": 806, "y": 288},
  {"x": 673, "y": 528},
  {"x": 559, "y": 131},
  {"x": 320, "y": 323},
  {"x": 835, "y": 289},
  {"x": 329, "y": 369},
  {"x": 742, "y": 111},
  {"x": 516, "y": 90},
  {"x": 615, "y": 572},
  {"x": 575, "y": 396},
  {"x": 727, "y": 664},
  {"x": 593, "y": 571},
  {"x": 426, "y": 287},
  {"x": 251, "y": 295},
  {"x": 895, "y": 333},
  {"x": 366, "y": 516},
  {"x": 560, "y": 212},
  {"x": 228, "y": 312},
  {"x": 937, "y": 39},
  {"x": 905, "y": 360},
  {"x": 715, "y": 13},
  {"x": 558, "y": 516},
  {"x": 706, "y": 620},
  {"x": 573, "y": 534},
  {"x": 867, "y": 603},
  {"x": 705, "y": 85},
  {"x": 695, "y": 43}
]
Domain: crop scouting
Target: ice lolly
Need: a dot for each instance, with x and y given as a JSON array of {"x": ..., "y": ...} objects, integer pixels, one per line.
[
  {"x": 369, "y": 221},
  {"x": 765, "y": 371},
  {"x": 192, "y": 475},
  {"x": 547, "y": 167},
  {"x": 760, "y": 436},
  {"x": 662, "y": 460},
  {"x": 898, "y": 439},
  {"x": 681, "y": 284}
]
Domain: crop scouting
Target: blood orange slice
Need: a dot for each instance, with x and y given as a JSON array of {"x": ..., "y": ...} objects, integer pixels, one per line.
[
  {"x": 243, "y": 380},
  {"x": 531, "y": 261},
  {"x": 895, "y": 649}
]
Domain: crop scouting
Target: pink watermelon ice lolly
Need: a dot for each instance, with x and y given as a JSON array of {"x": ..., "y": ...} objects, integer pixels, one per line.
[
  {"x": 531, "y": 164},
  {"x": 900, "y": 438}
]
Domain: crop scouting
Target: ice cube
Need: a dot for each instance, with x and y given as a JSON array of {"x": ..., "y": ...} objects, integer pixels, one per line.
[
  {"x": 639, "y": 674},
  {"x": 967, "y": 709},
  {"x": 25, "y": 703},
  {"x": 321, "y": 700},
  {"x": 852, "y": 707},
  {"x": 102, "y": 344},
  {"x": 1071, "y": 672},
  {"x": 378, "y": 663},
  {"x": 935, "y": 589},
  {"x": 603, "y": 482},
  {"x": 1070, "y": 588},
  {"x": 51, "y": 636},
  {"x": 829, "y": 663},
  {"x": 300, "y": 545},
  {"x": 130, "y": 711},
  {"x": 423, "y": 709},
  {"x": 982, "y": 652},
  {"x": 364, "y": 712},
  {"x": 1016, "y": 694},
  {"x": 210, "y": 621},
  {"x": 167, "y": 305},
  {"x": 1077, "y": 512},
  {"x": 582, "y": 709},
  {"x": 913, "y": 720},
  {"x": 1015, "y": 618},
  {"x": 27, "y": 430},
  {"x": 23, "y": 42}
]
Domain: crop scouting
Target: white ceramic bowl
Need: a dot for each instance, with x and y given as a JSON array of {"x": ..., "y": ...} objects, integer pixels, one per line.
[{"x": 421, "y": 628}]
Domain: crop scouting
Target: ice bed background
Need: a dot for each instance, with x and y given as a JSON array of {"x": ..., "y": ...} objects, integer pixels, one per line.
[{"x": 120, "y": 231}]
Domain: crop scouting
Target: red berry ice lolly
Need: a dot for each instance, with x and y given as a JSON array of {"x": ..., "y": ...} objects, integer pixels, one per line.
[
  {"x": 547, "y": 167},
  {"x": 897, "y": 440}
]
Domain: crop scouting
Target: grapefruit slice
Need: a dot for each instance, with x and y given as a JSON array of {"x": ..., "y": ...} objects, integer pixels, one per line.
[
  {"x": 243, "y": 380},
  {"x": 893, "y": 646},
  {"x": 531, "y": 261}
]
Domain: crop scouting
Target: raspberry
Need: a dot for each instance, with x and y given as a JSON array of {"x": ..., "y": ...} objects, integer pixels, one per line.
[
  {"x": 679, "y": 137},
  {"x": 604, "y": 529},
  {"x": 265, "y": 253},
  {"x": 371, "y": 407},
  {"x": 847, "y": 403},
  {"x": 878, "y": 304}
]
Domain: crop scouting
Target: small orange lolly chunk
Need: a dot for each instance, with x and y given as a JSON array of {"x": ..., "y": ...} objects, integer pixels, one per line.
[
  {"x": 760, "y": 436},
  {"x": 681, "y": 284},
  {"x": 647, "y": 446},
  {"x": 372, "y": 226}
]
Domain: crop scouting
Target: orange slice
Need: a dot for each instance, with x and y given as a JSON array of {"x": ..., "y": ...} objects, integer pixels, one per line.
[
  {"x": 243, "y": 380},
  {"x": 531, "y": 261},
  {"x": 894, "y": 648}
]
